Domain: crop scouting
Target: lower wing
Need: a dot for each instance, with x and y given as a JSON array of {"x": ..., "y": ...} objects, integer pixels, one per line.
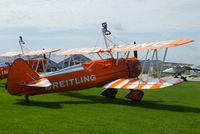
[{"x": 136, "y": 83}]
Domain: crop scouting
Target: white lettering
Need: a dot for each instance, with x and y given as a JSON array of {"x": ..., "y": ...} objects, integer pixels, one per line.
[
  {"x": 66, "y": 83},
  {"x": 55, "y": 85},
  {"x": 72, "y": 81},
  {"x": 76, "y": 81},
  {"x": 92, "y": 77},
  {"x": 81, "y": 79},
  {"x": 86, "y": 79},
  {"x": 62, "y": 83}
]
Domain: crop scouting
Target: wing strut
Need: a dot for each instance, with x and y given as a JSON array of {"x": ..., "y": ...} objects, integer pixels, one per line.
[
  {"x": 144, "y": 62},
  {"x": 162, "y": 63},
  {"x": 63, "y": 65},
  {"x": 47, "y": 62},
  {"x": 151, "y": 63},
  {"x": 151, "y": 71},
  {"x": 157, "y": 66}
]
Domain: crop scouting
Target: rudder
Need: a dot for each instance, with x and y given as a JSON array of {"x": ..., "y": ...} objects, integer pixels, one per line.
[{"x": 20, "y": 74}]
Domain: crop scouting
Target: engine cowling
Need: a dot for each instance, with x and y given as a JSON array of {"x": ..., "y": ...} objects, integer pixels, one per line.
[{"x": 135, "y": 67}]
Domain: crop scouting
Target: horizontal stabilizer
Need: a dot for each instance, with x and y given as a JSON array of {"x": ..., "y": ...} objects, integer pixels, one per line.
[
  {"x": 135, "y": 83},
  {"x": 43, "y": 82}
]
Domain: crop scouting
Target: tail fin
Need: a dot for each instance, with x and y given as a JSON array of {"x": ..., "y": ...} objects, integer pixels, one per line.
[{"x": 21, "y": 77}]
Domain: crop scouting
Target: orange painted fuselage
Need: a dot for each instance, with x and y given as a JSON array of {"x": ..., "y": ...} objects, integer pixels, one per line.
[{"x": 86, "y": 75}]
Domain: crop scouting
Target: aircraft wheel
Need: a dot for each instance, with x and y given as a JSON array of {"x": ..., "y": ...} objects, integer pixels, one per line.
[
  {"x": 27, "y": 99},
  {"x": 175, "y": 76},
  {"x": 184, "y": 78},
  {"x": 135, "y": 95},
  {"x": 109, "y": 92}
]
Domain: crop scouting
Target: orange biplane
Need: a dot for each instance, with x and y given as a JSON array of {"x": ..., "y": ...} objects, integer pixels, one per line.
[
  {"x": 110, "y": 73},
  {"x": 38, "y": 63}
]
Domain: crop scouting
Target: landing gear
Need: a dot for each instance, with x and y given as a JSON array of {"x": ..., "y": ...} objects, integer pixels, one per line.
[
  {"x": 184, "y": 78},
  {"x": 135, "y": 95},
  {"x": 27, "y": 99},
  {"x": 180, "y": 76},
  {"x": 109, "y": 92},
  {"x": 175, "y": 76}
]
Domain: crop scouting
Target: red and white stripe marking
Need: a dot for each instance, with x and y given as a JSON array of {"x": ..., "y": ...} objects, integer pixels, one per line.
[{"x": 140, "y": 84}]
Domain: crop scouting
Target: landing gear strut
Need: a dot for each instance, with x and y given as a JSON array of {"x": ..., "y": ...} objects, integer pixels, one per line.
[
  {"x": 109, "y": 92},
  {"x": 27, "y": 99},
  {"x": 135, "y": 95},
  {"x": 183, "y": 78}
]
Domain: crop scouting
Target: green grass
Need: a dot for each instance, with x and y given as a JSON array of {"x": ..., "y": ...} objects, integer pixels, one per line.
[{"x": 173, "y": 110}]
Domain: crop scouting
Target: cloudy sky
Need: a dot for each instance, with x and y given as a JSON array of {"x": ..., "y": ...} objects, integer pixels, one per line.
[{"x": 76, "y": 23}]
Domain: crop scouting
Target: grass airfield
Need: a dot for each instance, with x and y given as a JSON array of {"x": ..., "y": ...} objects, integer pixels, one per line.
[{"x": 172, "y": 110}]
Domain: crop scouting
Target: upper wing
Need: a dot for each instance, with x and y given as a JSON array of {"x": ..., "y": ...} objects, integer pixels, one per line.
[
  {"x": 135, "y": 83},
  {"x": 28, "y": 53},
  {"x": 39, "y": 52},
  {"x": 127, "y": 47},
  {"x": 10, "y": 54},
  {"x": 152, "y": 45},
  {"x": 84, "y": 51}
]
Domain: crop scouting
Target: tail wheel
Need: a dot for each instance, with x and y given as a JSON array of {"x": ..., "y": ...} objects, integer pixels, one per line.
[
  {"x": 27, "y": 99},
  {"x": 6, "y": 86}
]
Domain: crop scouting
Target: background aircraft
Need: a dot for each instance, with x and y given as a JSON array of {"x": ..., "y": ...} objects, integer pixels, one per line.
[
  {"x": 36, "y": 59},
  {"x": 180, "y": 70}
]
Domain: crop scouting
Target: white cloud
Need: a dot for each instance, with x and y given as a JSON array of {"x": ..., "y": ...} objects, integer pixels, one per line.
[
  {"x": 138, "y": 16},
  {"x": 150, "y": 19}
]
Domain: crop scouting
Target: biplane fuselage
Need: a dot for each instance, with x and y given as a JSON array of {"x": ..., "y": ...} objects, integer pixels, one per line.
[{"x": 82, "y": 76}]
